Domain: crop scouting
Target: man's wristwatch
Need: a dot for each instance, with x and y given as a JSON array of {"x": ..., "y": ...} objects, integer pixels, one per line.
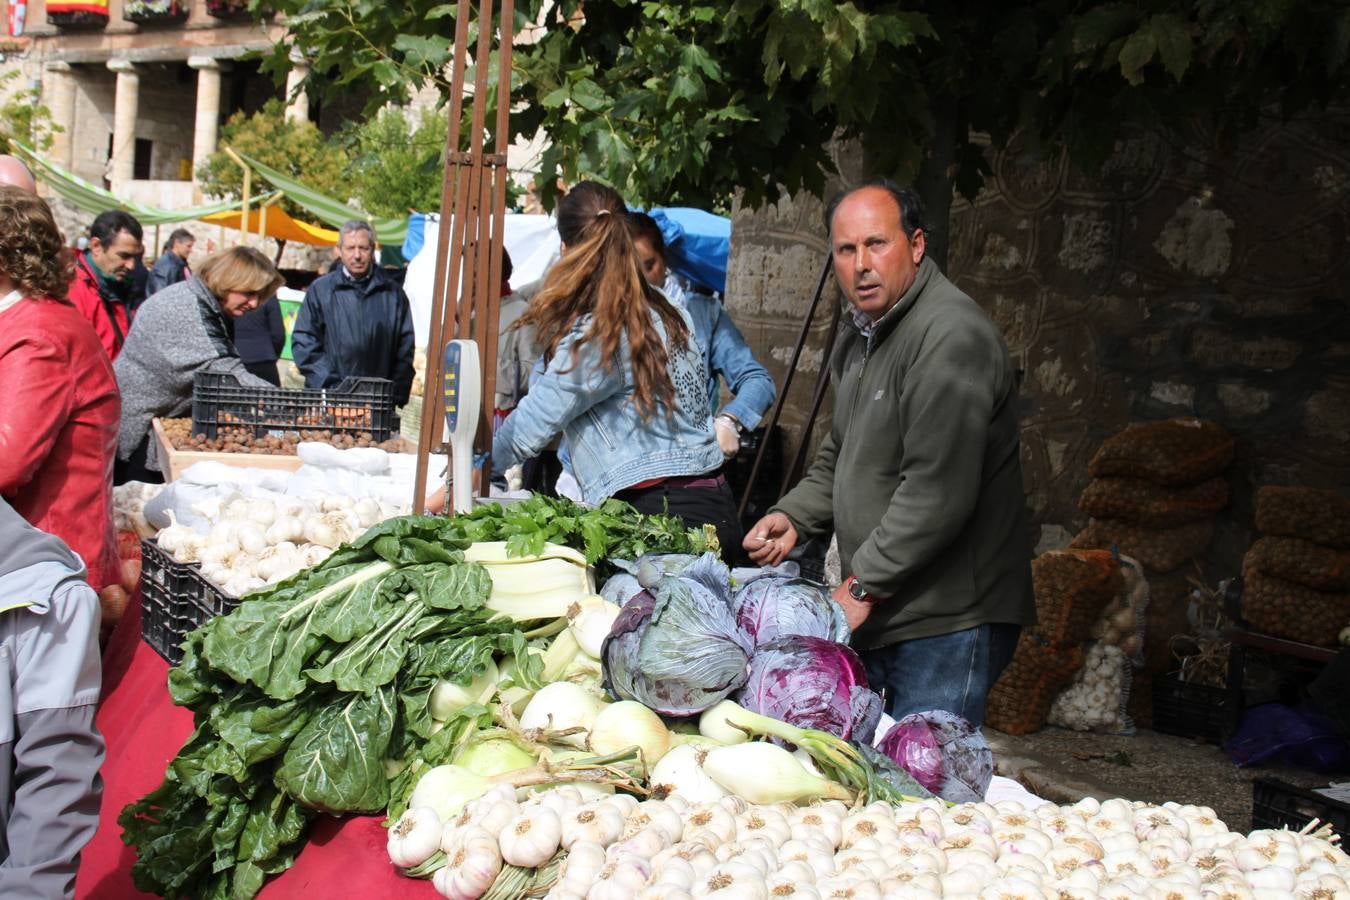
[{"x": 855, "y": 590}]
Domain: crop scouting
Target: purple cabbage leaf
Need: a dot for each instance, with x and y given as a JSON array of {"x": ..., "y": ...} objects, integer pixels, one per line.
[
  {"x": 675, "y": 647},
  {"x": 774, "y": 606},
  {"x": 944, "y": 753},
  {"x": 812, "y": 682}
]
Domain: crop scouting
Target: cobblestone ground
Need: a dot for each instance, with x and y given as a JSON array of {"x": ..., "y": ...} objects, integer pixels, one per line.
[{"x": 1062, "y": 765}]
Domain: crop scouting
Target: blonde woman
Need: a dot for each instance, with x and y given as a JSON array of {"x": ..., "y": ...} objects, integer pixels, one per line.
[{"x": 182, "y": 330}]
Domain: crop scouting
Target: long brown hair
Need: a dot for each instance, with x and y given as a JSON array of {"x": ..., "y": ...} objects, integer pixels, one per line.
[{"x": 600, "y": 274}]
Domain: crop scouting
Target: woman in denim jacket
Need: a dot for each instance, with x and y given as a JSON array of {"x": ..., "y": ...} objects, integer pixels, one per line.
[
  {"x": 623, "y": 378},
  {"x": 726, "y": 355}
]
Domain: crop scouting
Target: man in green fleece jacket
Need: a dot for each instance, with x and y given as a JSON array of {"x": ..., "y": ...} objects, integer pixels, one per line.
[{"x": 919, "y": 477}]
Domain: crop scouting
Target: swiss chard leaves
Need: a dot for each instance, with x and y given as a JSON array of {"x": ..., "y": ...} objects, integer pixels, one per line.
[{"x": 336, "y": 763}]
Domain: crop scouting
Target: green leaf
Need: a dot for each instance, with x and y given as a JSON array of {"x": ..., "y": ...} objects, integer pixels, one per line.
[
  {"x": 1103, "y": 24},
  {"x": 556, "y": 98},
  {"x": 695, "y": 58},
  {"x": 588, "y": 95},
  {"x": 336, "y": 763},
  {"x": 1138, "y": 51},
  {"x": 1174, "y": 43},
  {"x": 684, "y": 87},
  {"x": 258, "y": 728}
]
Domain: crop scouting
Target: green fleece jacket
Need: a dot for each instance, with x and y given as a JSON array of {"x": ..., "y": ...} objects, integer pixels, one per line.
[{"x": 920, "y": 475}]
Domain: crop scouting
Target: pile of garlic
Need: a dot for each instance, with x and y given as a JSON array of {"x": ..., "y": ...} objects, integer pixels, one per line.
[
  {"x": 617, "y": 847},
  {"x": 129, "y": 507},
  {"x": 1095, "y": 700},
  {"x": 257, "y": 541}
]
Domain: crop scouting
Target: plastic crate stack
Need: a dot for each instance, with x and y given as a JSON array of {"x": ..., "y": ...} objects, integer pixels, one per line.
[
  {"x": 1276, "y": 804},
  {"x": 1296, "y": 579},
  {"x": 175, "y": 599}
]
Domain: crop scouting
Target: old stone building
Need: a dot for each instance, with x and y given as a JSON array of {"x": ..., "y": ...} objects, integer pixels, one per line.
[{"x": 141, "y": 93}]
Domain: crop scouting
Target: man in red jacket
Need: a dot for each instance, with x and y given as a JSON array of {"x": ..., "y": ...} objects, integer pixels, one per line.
[{"x": 101, "y": 289}]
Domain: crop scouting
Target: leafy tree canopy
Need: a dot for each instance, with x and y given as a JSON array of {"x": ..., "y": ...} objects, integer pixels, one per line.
[
  {"x": 397, "y": 161},
  {"x": 296, "y": 148},
  {"x": 23, "y": 118},
  {"x": 687, "y": 102}
]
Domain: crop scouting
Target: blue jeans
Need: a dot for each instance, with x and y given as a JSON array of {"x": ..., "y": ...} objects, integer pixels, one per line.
[{"x": 947, "y": 671}]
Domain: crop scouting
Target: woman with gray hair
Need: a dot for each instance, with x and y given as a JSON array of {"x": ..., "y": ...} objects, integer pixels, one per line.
[{"x": 182, "y": 330}]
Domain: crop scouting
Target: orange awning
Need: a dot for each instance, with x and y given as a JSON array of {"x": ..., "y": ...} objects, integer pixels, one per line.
[{"x": 279, "y": 226}]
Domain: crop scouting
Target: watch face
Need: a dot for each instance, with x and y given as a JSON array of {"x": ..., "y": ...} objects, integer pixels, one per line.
[{"x": 855, "y": 590}]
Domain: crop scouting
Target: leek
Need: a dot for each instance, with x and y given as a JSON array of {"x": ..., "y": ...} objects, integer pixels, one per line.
[{"x": 527, "y": 588}]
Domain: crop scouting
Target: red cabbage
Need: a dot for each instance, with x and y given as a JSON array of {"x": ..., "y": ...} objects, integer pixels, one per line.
[
  {"x": 812, "y": 682},
  {"x": 773, "y": 606},
  {"x": 944, "y": 753},
  {"x": 675, "y": 647}
]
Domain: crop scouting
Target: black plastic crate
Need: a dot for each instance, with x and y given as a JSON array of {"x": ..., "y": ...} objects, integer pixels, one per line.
[
  {"x": 1190, "y": 710},
  {"x": 175, "y": 599},
  {"x": 356, "y": 406},
  {"x": 1276, "y": 804}
]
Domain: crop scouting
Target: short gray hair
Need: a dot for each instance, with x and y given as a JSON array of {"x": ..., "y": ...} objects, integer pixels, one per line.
[{"x": 351, "y": 226}]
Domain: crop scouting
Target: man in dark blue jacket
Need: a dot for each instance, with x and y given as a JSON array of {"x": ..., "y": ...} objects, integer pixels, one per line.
[{"x": 355, "y": 321}]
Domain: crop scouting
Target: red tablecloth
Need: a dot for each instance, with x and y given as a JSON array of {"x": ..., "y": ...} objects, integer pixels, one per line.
[{"x": 344, "y": 857}]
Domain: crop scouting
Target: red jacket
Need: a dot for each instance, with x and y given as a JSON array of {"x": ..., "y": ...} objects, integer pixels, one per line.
[
  {"x": 108, "y": 315},
  {"x": 59, "y": 414}
]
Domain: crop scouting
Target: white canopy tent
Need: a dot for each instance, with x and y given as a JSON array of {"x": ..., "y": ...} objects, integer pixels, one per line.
[{"x": 532, "y": 241}]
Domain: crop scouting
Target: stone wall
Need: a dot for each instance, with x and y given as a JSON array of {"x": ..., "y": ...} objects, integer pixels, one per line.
[{"x": 1177, "y": 278}]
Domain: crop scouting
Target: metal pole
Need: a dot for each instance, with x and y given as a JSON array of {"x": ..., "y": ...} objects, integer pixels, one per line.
[
  {"x": 822, "y": 382},
  {"x": 466, "y": 300},
  {"x": 433, "y": 402},
  {"x": 787, "y": 384}
]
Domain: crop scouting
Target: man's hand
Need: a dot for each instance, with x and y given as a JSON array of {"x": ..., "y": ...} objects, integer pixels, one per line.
[
  {"x": 770, "y": 539},
  {"x": 728, "y": 435},
  {"x": 855, "y": 611}
]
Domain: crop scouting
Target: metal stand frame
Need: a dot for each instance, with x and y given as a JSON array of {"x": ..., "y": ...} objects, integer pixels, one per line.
[
  {"x": 466, "y": 298},
  {"x": 793, "y": 472}
]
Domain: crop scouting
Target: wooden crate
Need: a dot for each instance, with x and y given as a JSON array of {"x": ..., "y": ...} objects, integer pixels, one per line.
[{"x": 174, "y": 462}]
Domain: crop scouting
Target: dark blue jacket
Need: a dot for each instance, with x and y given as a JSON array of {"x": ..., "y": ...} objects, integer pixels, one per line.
[
  {"x": 348, "y": 328},
  {"x": 168, "y": 269},
  {"x": 260, "y": 335}
]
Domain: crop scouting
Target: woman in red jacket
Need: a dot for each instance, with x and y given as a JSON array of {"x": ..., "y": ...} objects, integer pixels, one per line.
[{"x": 59, "y": 406}]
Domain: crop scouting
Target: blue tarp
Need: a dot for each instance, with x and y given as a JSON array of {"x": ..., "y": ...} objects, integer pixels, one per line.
[{"x": 697, "y": 242}]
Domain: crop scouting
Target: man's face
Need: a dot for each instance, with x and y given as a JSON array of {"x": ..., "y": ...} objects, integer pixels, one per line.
[
  {"x": 653, "y": 265},
  {"x": 183, "y": 249},
  {"x": 874, "y": 262},
  {"x": 117, "y": 258},
  {"x": 356, "y": 252}
]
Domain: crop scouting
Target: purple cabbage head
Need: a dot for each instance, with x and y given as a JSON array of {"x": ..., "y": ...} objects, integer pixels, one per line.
[
  {"x": 675, "y": 647},
  {"x": 634, "y": 575},
  {"x": 944, "y": 753},
  {"x": 774, "y": 606},
  {"x": 812, "y": 682}
]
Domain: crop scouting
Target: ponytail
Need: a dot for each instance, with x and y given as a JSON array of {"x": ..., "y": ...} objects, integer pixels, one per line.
[{"x": 600, "y": 274}]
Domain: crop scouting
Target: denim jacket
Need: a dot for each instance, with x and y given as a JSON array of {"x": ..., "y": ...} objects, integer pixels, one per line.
[
  {"x": 726, "y": 353},
  {"x": 611, "y": 447}
]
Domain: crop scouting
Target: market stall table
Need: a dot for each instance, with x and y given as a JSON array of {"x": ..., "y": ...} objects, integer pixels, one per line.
[{"x": 144, "y": 731}]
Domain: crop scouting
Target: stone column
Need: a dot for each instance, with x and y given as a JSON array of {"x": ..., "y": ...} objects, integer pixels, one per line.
[
  {"x": 207, "y": 126},
  {"x": 58, "y": 92},
  {"x": 126, "y": 105},
  {"x": 297, "y": 101}
]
